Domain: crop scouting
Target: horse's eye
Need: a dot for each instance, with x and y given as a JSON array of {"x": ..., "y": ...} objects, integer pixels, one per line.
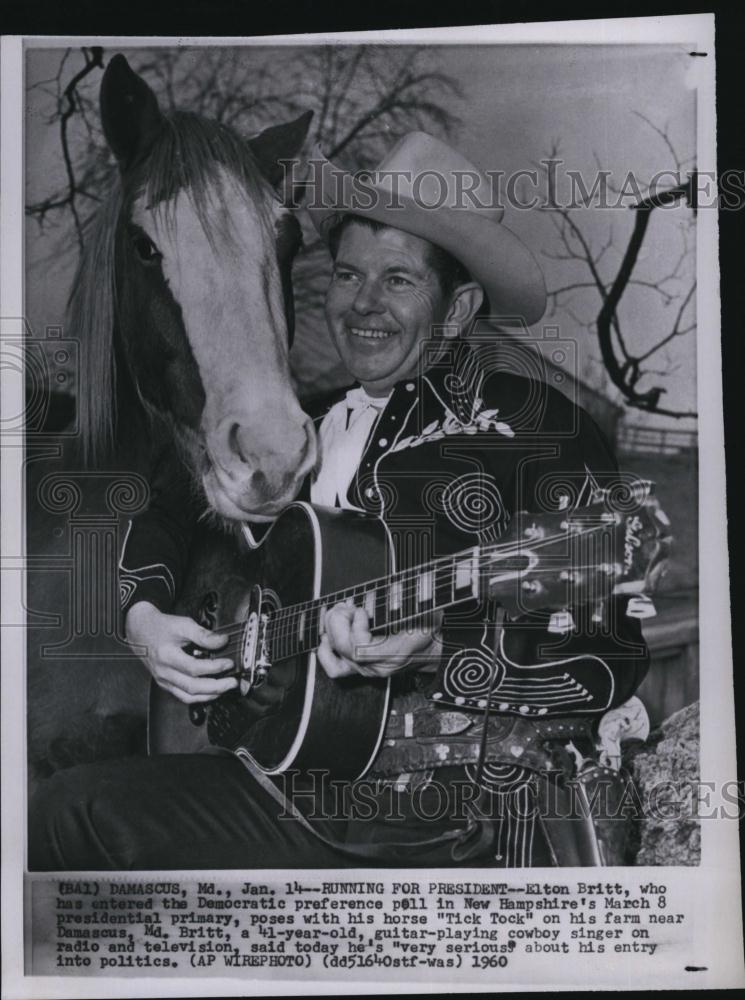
[{"x": 146, "y": 250}]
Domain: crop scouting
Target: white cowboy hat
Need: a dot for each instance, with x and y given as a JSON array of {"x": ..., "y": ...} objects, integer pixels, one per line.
[{"x": 423, "y": 187}]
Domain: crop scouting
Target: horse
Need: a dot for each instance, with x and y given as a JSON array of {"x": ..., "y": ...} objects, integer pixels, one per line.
[{"x": 182, "y": 306}]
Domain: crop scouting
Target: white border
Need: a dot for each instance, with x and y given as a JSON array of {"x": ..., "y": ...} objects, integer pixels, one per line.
[
  {"x": 667, "y": 30},
  {"x": 718, "y": 906},
  {"x": 12, "y": 519},
  {"x": 713, "y": 886}
]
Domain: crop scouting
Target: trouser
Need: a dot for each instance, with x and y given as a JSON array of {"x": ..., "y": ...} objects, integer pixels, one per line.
[{"x": 204, "y": 811}]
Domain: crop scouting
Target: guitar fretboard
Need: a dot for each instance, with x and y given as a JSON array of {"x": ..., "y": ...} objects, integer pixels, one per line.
[{"x": 393, "y": 600}]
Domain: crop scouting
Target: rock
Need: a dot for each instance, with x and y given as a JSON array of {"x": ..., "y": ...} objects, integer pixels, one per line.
[{"x": 666, "y": 772}]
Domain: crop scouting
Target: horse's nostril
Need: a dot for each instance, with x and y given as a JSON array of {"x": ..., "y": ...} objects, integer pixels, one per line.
[{"x": 234, "y": 443}]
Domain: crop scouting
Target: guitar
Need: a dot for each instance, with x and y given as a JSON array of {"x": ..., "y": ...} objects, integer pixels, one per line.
[{"x": 271, "y": 601}]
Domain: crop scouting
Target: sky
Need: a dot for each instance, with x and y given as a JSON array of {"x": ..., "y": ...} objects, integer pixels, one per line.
[{"x": 517, "y": 102}]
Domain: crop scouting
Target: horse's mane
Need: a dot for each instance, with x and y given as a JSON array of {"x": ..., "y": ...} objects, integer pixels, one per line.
[{"x": 185, "y": 156}]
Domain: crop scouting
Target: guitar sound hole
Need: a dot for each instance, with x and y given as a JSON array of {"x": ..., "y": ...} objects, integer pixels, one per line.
[{"x": 207, "y": 614}]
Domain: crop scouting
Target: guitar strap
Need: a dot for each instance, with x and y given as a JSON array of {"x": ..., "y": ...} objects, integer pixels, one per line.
[{"x": 465, "y": 842}]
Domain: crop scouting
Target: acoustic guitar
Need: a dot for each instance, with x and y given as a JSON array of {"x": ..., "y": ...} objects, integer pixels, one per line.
[{"x": 271, "y": 600}]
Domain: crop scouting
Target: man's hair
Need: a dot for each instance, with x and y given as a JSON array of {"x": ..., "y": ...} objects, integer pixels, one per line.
[{"x": 450, "y": 272}]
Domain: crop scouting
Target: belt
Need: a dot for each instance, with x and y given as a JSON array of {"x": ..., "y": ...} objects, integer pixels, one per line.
[{"x": 420, "y": 736}]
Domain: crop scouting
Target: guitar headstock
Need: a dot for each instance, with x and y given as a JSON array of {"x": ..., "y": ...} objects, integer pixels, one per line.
[
  {"x": 616, "y": 544},
  {"x": 643, "y": 536}
]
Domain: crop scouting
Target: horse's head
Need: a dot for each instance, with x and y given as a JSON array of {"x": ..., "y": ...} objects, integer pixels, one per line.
[{"x": 195, "y": 248}]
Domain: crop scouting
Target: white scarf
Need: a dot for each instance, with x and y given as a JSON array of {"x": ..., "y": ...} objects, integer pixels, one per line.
[{"x": 343, "y": 435}]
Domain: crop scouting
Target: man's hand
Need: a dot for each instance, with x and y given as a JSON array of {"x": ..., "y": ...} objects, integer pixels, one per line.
[
  {"x": 162, "y": 638},
  {"x": 347, "y": 647}
]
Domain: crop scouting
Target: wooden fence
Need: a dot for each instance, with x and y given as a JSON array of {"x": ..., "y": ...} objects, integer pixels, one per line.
[
  {"x": 660, "y": 440},
  {"x": 673, "y": 678}
]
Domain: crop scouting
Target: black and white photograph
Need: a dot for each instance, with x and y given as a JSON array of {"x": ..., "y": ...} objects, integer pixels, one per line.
[{"x": 365, "y": 614}]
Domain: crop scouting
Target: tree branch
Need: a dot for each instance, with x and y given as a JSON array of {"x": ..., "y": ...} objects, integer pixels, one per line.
[
  {"x": 68, "y": 105},
  {"x": 625, "y": 372}
]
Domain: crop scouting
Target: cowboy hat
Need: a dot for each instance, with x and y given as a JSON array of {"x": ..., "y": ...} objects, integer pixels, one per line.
[{"x": 428, "y": 189}]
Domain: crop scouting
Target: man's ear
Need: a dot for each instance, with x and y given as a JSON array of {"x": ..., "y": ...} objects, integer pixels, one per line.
[{"x": 465, "y": 302}]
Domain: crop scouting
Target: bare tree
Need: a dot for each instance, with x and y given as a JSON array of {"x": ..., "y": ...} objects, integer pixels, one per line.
[
  {"x": 673, "y": 285},
  {"x": 623, "y": 367},
  {"x": 82, "y": 169}
]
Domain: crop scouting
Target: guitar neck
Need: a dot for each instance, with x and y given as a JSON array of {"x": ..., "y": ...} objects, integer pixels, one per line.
[
  {"x": 616, "y": 544},
  {"x": 393, "y": 600}
]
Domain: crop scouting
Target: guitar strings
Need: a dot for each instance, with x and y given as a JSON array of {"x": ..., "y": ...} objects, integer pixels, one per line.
[
  {"x": 279, "y": 639},
  {"x": 407, "y": 577},
  {"x": 286, "y": 621},
  {"x": 337, "y": 597},
  {"x": 289, "y": 627},
  {"x": 410, "y": 577}
]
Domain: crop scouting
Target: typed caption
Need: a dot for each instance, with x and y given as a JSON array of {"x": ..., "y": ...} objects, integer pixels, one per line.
[{"x": 310, "y": 925}]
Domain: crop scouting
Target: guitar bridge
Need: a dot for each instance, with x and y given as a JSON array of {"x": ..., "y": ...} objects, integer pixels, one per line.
[
  {"x": 254, "y": 664},
  {"x": 262, "y": 664}
]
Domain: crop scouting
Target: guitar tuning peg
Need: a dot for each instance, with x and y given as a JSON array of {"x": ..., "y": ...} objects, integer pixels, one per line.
[
  {"x": 641, "y": 607},
  {"x": 661, "y": 516},
  {"x": 560, "y": 623}
]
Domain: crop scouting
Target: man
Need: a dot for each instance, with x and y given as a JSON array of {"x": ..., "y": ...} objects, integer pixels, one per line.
[{"x": 444, "y": 443}]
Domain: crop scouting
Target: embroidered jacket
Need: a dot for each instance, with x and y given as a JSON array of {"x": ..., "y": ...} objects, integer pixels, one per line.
[{"x": 454, "y": 454}]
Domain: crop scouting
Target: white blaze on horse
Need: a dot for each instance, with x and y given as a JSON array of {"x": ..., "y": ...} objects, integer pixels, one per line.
[
  {"x": 186, "y": 280},
  {"x": 182, "y": 304}
]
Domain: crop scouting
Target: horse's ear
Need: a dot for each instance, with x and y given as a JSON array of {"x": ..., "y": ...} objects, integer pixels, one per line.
[
  {"x": 130, "y": 114},
  {"x": 280, "y": 142}
]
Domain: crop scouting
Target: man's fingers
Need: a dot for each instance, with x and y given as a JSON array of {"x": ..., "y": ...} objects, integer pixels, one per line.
[
  {"x": 339, "y": 630},
  {"x": 184, "y": 696},
  {"x": 172, "y": 656},
  {"x": 334, "y": 665},
  {"x": 361, "y": 638},
  {"x": 348, "y": 631},
  {"x": 205, "y": 687},
  {"x": 189, "y": 630}
]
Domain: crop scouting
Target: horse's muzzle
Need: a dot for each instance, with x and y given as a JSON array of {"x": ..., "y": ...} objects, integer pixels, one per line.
[{"x": 244, "y": 481}]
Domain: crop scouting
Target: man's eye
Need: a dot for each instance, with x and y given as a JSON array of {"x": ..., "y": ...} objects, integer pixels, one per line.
[
  {"x": 398, "y": 281},
  {"x": 344, "y": 276},
  {"x": 146, "y": 250}
]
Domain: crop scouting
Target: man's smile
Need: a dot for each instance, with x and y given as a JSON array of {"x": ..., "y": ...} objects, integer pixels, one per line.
[{"x": 370, "y": 333}]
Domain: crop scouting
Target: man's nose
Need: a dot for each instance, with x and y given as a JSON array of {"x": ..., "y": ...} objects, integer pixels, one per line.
[{"x": 369, "y": 298}]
